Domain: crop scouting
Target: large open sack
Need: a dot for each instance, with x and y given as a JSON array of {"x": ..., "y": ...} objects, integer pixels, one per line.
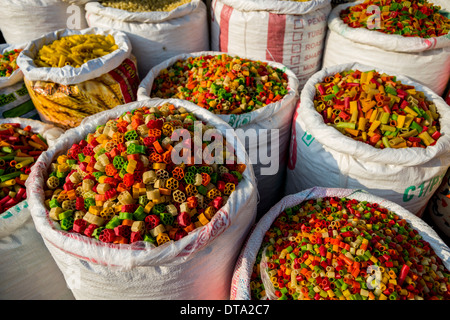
[
  {"x": 240, "y": 289},
  {"x": 439, "y": 206},
  {"x": 197, "y": 267},
  {"x": 320, "y": 155}
]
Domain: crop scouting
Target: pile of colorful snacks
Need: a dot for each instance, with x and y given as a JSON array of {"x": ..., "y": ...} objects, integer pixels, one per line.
[
  {"x": 407, "y": 18},
  {"x": 221, "y": 83},
  {"x": 339, "y": 248},
  {"x": 19, "y": 148},
  {"x": 8, "y": 62},
  {"x": 376, "y": 109},
  {"x": 120, "y": 184}
]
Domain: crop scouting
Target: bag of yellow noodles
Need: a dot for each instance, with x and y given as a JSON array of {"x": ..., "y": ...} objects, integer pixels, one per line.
[{"x": 72, "y": 74}]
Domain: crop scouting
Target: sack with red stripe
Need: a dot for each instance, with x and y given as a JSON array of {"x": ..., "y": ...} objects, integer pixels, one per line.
[
  {"x": 288, "y": 32},
  {"x": 65, "y": 96}
]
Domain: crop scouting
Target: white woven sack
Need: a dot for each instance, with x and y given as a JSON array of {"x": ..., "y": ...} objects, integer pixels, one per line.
[
  {"x": 278, "y": 116},
  {"x": 322, "y": 156},
  {"x": 288, "y": 32},
  {"x": 426, "y": 61},
  {"x": 197, "y": 267},
  {"x": 156, "y": 36},
  {"x": 69, "y": 75},
  {"x": 27, "y": 269},
  {"x": 26, "y": 20},
  {"x": 240, "y": 287}
]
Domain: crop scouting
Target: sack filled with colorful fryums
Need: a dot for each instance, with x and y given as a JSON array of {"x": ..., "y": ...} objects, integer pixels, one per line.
[
  {"x": 407, "y": 37},
  {"x": 137, "y": 200},
  {"x": 359, "y": 127},
  {"x": 72, "y": 74},
  {"x": 341, "y": 244},
  {"x": 23, "y": 252}
]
